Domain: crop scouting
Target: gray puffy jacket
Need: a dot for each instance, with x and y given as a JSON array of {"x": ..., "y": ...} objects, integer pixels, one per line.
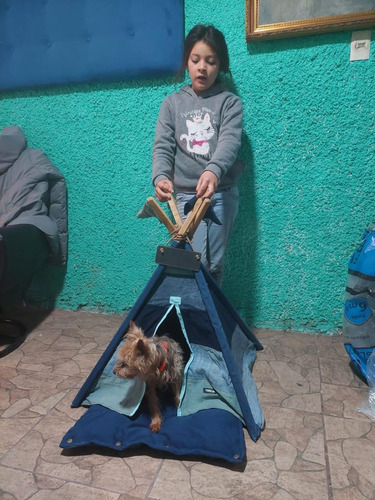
[{"x": 32, "y": 191}]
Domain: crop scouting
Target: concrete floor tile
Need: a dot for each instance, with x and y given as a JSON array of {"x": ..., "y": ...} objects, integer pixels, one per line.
[
  {"x": 338, "y": 372},
  {"x": 289, "y": 377},
  {"x": 48, "y": 483},
  {"x": 298, "y": 432},
  {"x": 173, "y": 481},
  {"x": 348, "y": 494},
  {"x": 283, "y": 495},
  {"x": 342, "y": 401},
  {"x": 54, "y": 424},
  {"x": 43, "y": 407},
  {"x": 285, "y": 455},
  {"x": 351, "y": 457},
  {"x": 359, "y": 454},
  {"x": 114, "y": 475},
  {"x": 331, "y": 347},
  {"x": 64, "y": 405},
  {"x": 306, "y": 402},
  {"x": 290, "y": 380},
  {"x": 304, "y": 485},
  {"x": 343, "y": 428},
  {"x": 12, "y": 360},
  {"x": 14, "y": 409},
  {"x": 27, "y": 379},
  {"x": 67, "y": 471},
  {"x": 144, "y": 470},
  {"x": 12, "y": 430},
  {"x": 265, "y": 491},
  {"x": 221, "y": 482},
  {"x": 76, "y": 491},
  {"x": 43, "y": 336},
  {"x": 17, "y": 484},
  {"x": 24, "y": 455}
]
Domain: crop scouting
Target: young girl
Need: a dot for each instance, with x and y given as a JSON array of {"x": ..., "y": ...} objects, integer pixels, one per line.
[{"x": 198, "y": 134}]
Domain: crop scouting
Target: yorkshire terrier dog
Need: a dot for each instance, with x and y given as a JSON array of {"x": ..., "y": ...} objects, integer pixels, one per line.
[{"x": 158, "y": 361}]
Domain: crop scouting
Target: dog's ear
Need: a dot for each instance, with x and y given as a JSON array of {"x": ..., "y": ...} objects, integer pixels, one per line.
[
  {"x": 141, "y": 346},
  {"x": 132, "y": 326}
]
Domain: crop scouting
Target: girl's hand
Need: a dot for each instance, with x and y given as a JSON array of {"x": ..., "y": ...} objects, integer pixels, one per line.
[
  {"x": 207, "y": 185},
  {"x": 164, "y": 190}
]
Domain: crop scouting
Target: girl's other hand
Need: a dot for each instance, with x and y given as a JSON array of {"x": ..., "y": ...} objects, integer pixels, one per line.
[
  {"x": 207, "y": 185},
  {"x": 164, "y": 190}
]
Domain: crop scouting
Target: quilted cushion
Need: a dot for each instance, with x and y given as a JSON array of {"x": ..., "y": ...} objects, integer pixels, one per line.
[
  {"x": 54, "y": 42},
  {"x": 211, "y": 433}
]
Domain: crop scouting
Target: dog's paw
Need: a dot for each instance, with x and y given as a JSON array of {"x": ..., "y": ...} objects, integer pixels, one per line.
[
  {"x": 156, "y": 423},
  {"x": 155, "y": 426}
]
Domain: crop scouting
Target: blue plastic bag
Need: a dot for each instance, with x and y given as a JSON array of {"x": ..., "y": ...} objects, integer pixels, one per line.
[
  {"x": 368, "y": 407},
  {"x": 359, "y": 310}
]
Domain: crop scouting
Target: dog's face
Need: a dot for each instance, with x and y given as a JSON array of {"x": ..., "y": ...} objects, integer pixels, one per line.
[{"x": 139, "y": 356}]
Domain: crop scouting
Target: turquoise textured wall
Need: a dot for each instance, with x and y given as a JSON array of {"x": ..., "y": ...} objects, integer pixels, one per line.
[{"x": 306, "y": 197}]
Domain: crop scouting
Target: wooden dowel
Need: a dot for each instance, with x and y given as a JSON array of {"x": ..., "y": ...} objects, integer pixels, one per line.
[
  {"x": 161, "y": 215},
  {"x": 194, "y": 218},
  {"x": 174, "y": 209},
  {"x": 189, "y": 219},
  {"x": 198, "y": 216}
]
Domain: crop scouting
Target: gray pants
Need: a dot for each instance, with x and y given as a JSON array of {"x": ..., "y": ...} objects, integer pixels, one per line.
[{"x": 210, "y": 239}]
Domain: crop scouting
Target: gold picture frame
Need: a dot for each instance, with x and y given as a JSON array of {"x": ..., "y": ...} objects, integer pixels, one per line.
[{"x": 267, "y": 19}]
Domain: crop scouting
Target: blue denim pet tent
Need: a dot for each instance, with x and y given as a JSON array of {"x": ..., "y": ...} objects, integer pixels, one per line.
[{"x": 219, "y": 395}]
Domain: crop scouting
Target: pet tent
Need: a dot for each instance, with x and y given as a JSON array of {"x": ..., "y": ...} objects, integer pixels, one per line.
[{"x": 219, "y": 395}]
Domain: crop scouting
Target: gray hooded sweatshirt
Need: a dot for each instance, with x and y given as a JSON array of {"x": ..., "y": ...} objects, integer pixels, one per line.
[
  {"x": 197, "y": 133},
  {"x": 32, "y": 191}
]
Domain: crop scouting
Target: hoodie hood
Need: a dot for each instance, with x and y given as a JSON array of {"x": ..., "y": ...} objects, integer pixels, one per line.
[
  {"x": 12, "y": 143},
  {"x": 215, "y": 89}
]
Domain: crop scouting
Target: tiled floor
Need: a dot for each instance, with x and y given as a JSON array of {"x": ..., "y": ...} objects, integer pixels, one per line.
[{"x": 315, "y": 445}]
